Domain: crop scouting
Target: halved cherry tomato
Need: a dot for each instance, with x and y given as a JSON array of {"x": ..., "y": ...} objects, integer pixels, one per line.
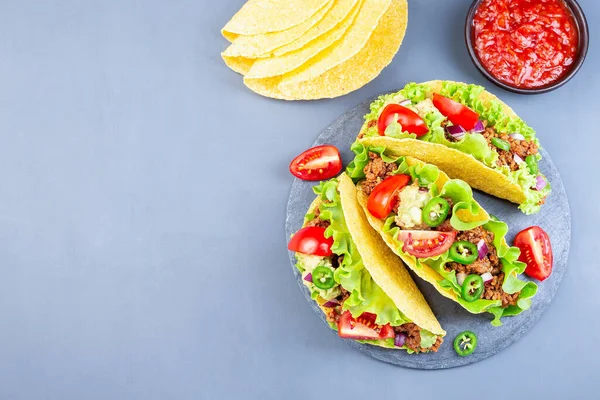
[
  {"x": 424, "y": 244},
  {"x": 383, "y": 198},
  {"x": 410, "y": 120},
  {"x": 317, "y": 163},
  {"x": 536, "y": 252},
  {"x": 363, "y": 327},
  {"x": 387, "y": 332},
  {"x": 311, "y": 240},
  {"x": 456, "y": 112}
]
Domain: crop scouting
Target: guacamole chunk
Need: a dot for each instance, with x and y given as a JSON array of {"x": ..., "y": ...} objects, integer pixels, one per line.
[{"x": 410, "y": 206}]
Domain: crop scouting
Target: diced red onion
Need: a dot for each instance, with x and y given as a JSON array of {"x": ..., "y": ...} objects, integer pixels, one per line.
[
  {"x": 517, "y": 136},
  {"x": 331, "y": 304},
  {"x": 517, "y": 159},
  {"x": 540, "y": 183},
  {"x": 308, "y": 278},
  {"x": 457, "y": 131},
  {"x": 454, "y": 129},
  {"x": 478, "y": 128},
  {"x": 487, "y": 277},
  {"x": 482, "y": 249},
  {"x": 405, "y": 102},
  {"x": 460, "y": 277},
  {"x": 400, "y": 339}
]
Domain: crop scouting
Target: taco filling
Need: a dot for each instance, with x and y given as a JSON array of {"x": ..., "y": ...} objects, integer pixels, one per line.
[
  {"x": 461, "y": 117},
  {"x": 433, "y": 223},
  {"x": 354, "y": 305}
]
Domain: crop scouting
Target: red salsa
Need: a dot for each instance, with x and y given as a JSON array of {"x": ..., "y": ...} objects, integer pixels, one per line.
[{"x": 525, "y": 43}]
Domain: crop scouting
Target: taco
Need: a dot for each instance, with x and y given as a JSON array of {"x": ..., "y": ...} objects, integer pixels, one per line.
[
  {"x": 362, "y": 287},
  {"x": 467, "y": 132},
  {"x": 438, "y": 229}
]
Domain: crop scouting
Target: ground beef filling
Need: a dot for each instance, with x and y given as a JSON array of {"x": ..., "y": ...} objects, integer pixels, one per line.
[
  {"x": 318, "y": 222},
  {"x": 376, "y": 171},
  {"x": 522, "y": 148},
  {"x": 413, "y": 338},
  {"x": 493, "y": 291},
  {"x": 490, "y": 263}
]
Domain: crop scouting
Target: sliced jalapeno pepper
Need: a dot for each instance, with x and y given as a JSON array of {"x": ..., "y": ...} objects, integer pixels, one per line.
[
  {"x": 472, "y": 288},
  {"x": 501, "y": 144},
  {"x": 463, "y": 252},
  {"x": 322, "y": 277},
  {"x": 435, "y": 211},
  {"x": 465, "y": 343},
  {"x": 532, "y": 164}
]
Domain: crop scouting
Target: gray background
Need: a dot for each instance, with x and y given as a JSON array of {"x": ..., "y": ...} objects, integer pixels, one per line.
[{"x": 142, "y": 205}]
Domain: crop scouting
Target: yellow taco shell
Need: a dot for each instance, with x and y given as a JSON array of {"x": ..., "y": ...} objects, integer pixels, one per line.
[
  {"x": 284, "y": 63},
  {"x": 262, "y": 45},
  {"x": 367, "y": 47},
  {"x": 265, "y": 16}
]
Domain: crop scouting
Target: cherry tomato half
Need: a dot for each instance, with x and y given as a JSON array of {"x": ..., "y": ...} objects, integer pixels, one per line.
[
  {"x": 410, "y": 120},
  {"x": 456, "y": 112},
  {"x": 424, "y": 244},
  {"x": 536, "y": 252},
  {"x": 311, "y": 240},
  {"x": 316, "y": 164},
  {"x": 383, "y": 198},
  {"x": 363, "y": 327}
]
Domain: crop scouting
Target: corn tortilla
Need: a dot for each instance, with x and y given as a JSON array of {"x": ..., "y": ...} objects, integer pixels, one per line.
[
  {"x": 265, "y": 16},
  {"x": 275, "y": 66},
  {"x": 337, "y": 13},
  {"x": 380, "y": 49},
  {"x": 241, "y": 65},
  {"x": 263, "y": 44},
  {"x": 360, "y": 69},
  {"x": 351, "y": 43}
]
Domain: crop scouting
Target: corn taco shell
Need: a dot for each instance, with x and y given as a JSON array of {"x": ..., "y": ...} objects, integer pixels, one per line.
[
  {"x": 241, "y": 65},
  {"x": 290, "y": 61},
  {"x": 338, "y": 12},
  {"x": 263, "y": 45},
  {"x": 467, "y": 218},
  {"x": 265, "y": 16},
  {"x": 472, "y": 158},
  {"x": 373, "y": 279},
  {"x": 368, "y": 46}
]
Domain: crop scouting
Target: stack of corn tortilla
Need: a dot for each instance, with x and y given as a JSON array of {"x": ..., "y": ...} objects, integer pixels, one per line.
[{"x": 312, "y": 49}]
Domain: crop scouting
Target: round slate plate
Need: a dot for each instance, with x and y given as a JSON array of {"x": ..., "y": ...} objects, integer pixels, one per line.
[{"x": 554, "y": 218}]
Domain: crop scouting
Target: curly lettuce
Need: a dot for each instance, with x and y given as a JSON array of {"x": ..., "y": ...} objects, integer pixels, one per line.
[
  {"x": 463, "y": 204},
  {"x": 490, "y": 110}
]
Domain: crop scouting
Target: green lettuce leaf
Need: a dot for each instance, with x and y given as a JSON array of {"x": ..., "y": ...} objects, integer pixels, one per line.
[{"x": 427, "y": 339}]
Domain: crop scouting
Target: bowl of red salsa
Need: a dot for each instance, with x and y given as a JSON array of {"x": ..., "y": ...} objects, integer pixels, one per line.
[{"x": 527, "y": 46}]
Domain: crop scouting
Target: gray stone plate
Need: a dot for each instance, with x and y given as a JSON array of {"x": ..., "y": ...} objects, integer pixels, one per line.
[{"x": 554, "y": 218}]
